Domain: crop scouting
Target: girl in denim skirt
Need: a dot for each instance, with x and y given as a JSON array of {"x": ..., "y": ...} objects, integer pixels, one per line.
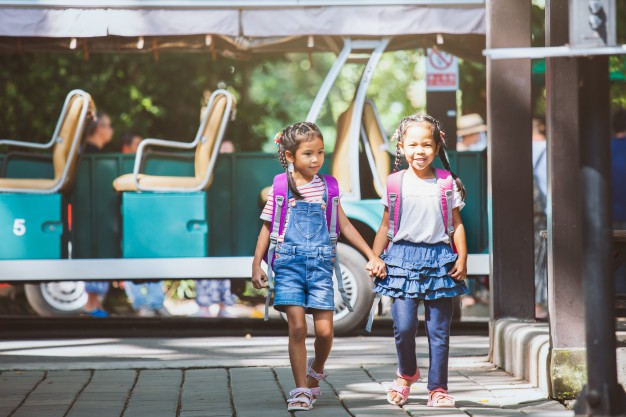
[
  {"x": 421, "y": 228},
  {"x": 305, "y": 256}
]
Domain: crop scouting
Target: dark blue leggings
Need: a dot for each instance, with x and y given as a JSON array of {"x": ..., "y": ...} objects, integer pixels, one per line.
[{"x": 438, "y": 318}]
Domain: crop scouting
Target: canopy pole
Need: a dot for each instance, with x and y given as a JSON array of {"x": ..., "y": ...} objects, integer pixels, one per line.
[
  {"x": 357, "y": 113},
  {"x": 334, "y": 71}
]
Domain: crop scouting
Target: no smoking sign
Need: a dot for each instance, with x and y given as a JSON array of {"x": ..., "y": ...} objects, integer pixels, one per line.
[{"x": 442, "y": 71}]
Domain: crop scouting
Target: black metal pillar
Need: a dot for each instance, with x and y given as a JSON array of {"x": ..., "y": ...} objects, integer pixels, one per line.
[
  {"x": 602, "y": 396},
  {"x": 510, "y": 163},
  {"x": 565, "y": 248},
  {"x": 442, "y": 106}
]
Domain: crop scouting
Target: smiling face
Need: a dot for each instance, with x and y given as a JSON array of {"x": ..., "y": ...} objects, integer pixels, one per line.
[
  {"x": 419, "y": 148},
  {"x": 308, "y": 158}
]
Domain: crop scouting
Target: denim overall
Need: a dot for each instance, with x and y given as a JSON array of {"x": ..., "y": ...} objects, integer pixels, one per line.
[{"x": 303, "y": 264}]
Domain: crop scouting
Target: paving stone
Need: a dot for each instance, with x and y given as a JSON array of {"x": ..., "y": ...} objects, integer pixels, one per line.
[
  {"x": 54, "y": 395},
  {"x": 489, "y": 412},
  {"x": 155, "y": 394},
  {"x": 206, "y": 393},
  {"x": 14, "y": 386},
  {"x": 256, "y": 393},
  {"x": 105, "y": 395}
]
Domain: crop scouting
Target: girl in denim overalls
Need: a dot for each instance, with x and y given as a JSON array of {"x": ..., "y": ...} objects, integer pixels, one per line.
[
  {"x": 421, "y": 264},
  {"x": 303, "y": 263}
]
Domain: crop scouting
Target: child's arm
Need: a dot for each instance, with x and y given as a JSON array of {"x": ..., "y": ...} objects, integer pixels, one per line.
[
  {"x": 459, "y": 271},
  {"x": 259, "y": 277},
  {"x": 381, "y": 240},
  {"x": 375, "y": 265}
]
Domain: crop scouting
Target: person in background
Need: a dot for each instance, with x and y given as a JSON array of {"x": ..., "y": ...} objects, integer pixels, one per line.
[
  {"x": 540, "y": 209},
  {"x": 472, "y": 136},
  {"x": 130, "y": 142},
  {"x": 146, "y": 298},
  {"x": 618, "y": 184},
  {"x": 98, "y": 134},
  {"x": 471, "y": 132},
  {"x": 213, "y": 296}
]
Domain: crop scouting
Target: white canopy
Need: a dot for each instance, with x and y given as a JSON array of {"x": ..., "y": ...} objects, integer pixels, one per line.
[
  {"x": 239, "y": 29},
  {"x": 329, "y": 20}
]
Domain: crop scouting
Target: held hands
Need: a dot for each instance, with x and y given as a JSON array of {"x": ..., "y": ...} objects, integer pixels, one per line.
[
  {"x": 259, "y": 277},
  {"x": 376, "y": 267},
  {"x": 459, "y": 270}
]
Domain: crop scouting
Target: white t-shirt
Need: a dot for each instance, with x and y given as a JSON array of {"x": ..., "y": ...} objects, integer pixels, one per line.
[
  {"x": 421, "y": 220},
  {"x": 312, "y": 192}
]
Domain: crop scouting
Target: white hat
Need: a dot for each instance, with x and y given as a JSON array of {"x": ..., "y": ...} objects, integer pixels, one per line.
[{"x": 470, "y": 123}]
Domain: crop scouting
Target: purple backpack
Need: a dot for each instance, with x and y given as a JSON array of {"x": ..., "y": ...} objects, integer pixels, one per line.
[{"x": 280, "y": 188}]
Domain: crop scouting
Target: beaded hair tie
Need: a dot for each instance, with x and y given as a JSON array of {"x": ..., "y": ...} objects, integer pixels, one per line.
[
  {"x": 278, "y": 137},
  {"x": 396, "y": 135}
]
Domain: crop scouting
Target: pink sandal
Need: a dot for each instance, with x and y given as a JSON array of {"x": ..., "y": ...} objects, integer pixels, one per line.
[
  {"x": 403, "y": 391},
  {"x": 300, "y": 396},
  {"x": 439, "y": 398},
  {"x": 315, "y": 391}
]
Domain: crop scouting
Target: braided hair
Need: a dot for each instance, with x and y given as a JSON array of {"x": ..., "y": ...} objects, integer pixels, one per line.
[
  {"x": 289, "y": 139},
  {"x": 436, "y": 128}
]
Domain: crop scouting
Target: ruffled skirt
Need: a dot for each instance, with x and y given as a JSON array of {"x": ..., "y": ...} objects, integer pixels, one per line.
[{"x": 419, "y": 270}]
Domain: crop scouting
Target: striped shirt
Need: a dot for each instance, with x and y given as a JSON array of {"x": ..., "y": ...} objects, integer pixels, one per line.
[{"x": 312, "y": 192}]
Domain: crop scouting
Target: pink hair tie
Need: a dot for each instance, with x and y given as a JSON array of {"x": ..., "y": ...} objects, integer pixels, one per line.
[{"x": 442, "y": 134}]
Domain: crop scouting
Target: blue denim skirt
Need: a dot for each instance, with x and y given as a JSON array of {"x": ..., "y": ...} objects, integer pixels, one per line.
[{"x": 419, "y": 270}]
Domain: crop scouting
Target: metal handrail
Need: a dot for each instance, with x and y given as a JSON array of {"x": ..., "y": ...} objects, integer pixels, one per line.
[{"x": 187, "y": 145}]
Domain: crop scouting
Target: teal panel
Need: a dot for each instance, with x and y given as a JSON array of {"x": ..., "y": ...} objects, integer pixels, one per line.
[
  {"x": 252, "y": 172},
  {"x": 105, "y": 208},
  {"x": 164, "y": 225},
  {"x": 369, "y": 212},
  {"x": 221, "y": 211},
  {"x": 31, "y": 226},
  {"x": 232, "y": 201},
  {"x": 471, "y": 168},
  {"x": 28, "y": 168},
  {"x": 81, "y": 201}
]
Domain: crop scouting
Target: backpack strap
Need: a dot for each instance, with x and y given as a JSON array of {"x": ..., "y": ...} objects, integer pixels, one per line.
[
  {"x": 332, "y": 215},
  {"x": 445, "y": 182},
  {"x": 279, "y": 211},
  {"x": 394, "y": 201}
]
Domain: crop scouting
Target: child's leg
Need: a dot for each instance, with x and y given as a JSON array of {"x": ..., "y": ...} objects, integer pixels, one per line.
[
  {"x": 297, "y": 346},
  {"x": 438, "y": 318},
  {"x": 404, "y": 313},
  {"x": 323, "y": 320}
]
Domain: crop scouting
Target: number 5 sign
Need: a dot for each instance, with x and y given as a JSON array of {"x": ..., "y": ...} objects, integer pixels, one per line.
[{"x": 442, "y": 71}]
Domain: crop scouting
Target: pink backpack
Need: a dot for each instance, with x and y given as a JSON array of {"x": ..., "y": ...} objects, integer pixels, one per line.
[{"x": 394, "y": 199}]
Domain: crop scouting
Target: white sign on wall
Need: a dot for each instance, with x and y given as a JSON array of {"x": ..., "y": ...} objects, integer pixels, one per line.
[{"x": 442, "y": 71}]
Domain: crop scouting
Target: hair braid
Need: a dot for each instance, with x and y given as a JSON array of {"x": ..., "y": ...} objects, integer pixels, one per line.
[{"x": 398, "y": 158}]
